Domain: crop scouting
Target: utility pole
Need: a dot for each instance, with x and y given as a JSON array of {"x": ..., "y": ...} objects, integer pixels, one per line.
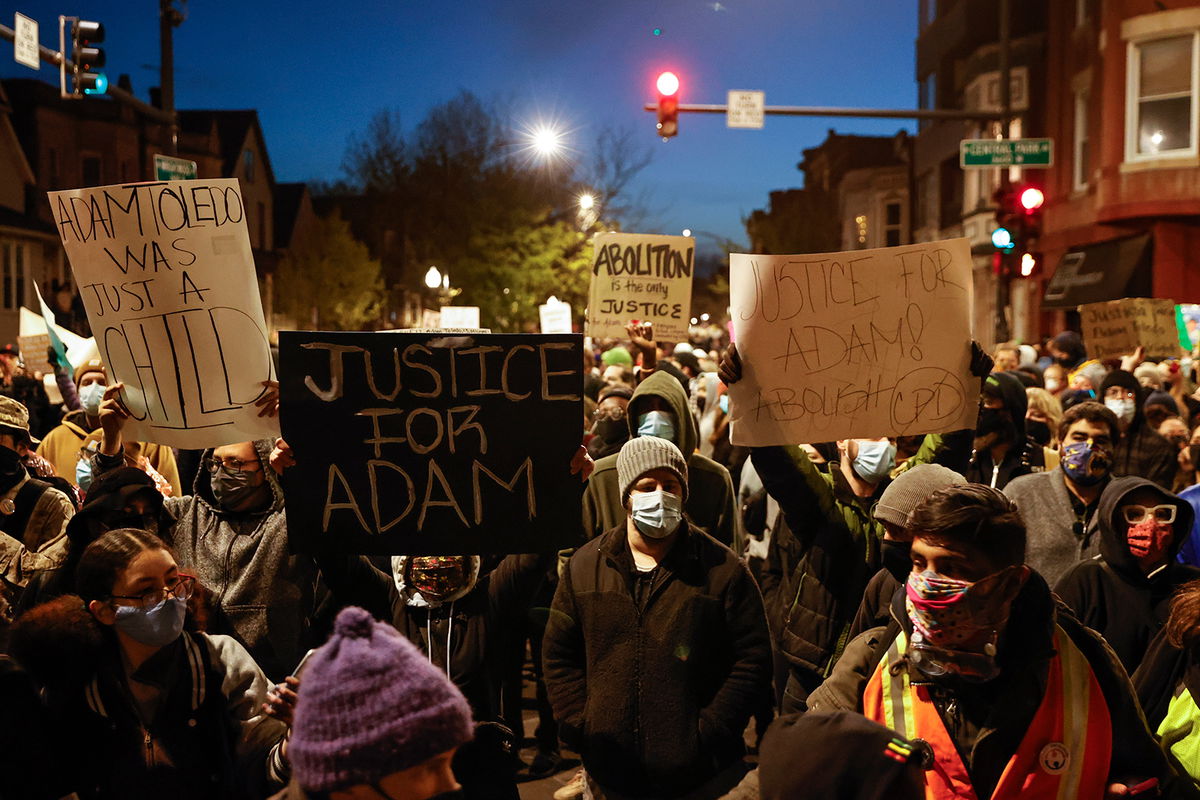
[
  {"x": 169, "y": 18},
  {"x": 1003, "y": 332}
]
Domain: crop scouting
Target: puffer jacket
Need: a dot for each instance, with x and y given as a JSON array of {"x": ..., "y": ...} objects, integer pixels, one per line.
[
  {"x": 1110, "y": 594},
  {"x": 711, "y": 503},
  {"x": 262, "y": 595}
]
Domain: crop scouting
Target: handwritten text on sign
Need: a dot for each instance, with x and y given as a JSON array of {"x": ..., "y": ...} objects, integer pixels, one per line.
[
  {"x": 1118, "y": 327},
  {"x": 861, "y": 344},
  {"x": 431, "y": 443},
  {"x": 642, "y": 277},
  {"x": 167, "y": 278}
]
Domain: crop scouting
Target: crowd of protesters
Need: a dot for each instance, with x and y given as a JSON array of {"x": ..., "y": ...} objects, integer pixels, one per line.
[{"x": 1006, "y": 611}]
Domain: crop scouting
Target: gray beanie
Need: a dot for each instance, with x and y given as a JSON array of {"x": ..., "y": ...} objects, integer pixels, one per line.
[
  {"x": 644, "y": 453},
  {"x": 908, "y": 490}
]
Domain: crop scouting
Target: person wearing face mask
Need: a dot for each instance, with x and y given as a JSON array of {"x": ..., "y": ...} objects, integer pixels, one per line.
[
  {"x": 233, "y": 529},
  {"x": 609, "y": 428},
  {"x": 157, "y": 708},
  {"x": 1011, "y": 695},
  {"x": 1189, "y": 552},
  {"x": 69, "y": 445},
  {"x": 33, "y": 514},
  {"x": 834, "y": 537},
  {"x": 1067, "y": 350},
  {"x": 1141, "y": 451},
  {"x": 659, "y": 408},
  {"x": 1000, "y": 433},
  {"x": 657, "y": 648},
  {"x": 458, "y": 617},
  {"x": 1125, "y": 594},
  {"x": 1060, "y": 505}
]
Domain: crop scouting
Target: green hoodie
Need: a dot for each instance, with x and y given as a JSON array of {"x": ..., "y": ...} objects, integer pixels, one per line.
[{"x": 710, "y": 503}]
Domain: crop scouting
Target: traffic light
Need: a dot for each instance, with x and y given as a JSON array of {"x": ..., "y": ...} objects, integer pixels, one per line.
[
  {"x": 668, "y": 104},
  {"x": 1007, "y": 230},
  {"x": 1031, "y": 200},
  {"x": 87, "y": 59}
]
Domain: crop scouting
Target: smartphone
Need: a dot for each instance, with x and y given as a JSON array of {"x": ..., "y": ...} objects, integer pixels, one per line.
[{"x": 300, "y": 667}]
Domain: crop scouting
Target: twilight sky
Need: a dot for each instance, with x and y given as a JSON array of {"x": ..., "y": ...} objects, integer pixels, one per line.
[{"x": 317, "y": 71}]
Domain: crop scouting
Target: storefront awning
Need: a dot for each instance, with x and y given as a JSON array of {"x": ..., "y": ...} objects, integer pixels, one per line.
[{"x": 1100, "y": 272}]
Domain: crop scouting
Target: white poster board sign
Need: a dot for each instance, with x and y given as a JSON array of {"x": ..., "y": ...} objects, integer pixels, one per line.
[
  {"x": 644, "y": 277},
  {"x": 555, "y": 317},
  {"x": 168, "y": 281},
  {"x": 862, "y": 344},
  {"x": 459, "y": 317}
]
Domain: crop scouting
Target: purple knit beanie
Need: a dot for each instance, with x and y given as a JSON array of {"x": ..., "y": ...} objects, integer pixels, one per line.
[{"x": 370, "y": 704}]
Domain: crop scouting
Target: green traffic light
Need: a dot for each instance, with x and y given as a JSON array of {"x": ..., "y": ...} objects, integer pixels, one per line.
[{"x": 99, "y": 84}]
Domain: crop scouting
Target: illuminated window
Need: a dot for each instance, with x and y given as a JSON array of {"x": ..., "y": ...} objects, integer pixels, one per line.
[{"x": 1161, "y": 104}]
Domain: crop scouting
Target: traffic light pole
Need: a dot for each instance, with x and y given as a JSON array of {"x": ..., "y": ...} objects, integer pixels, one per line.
[
  {"x": 58, "y": 59},
  {"x": 1003, "y": 295},
  {"x": 830, "y": 111}
]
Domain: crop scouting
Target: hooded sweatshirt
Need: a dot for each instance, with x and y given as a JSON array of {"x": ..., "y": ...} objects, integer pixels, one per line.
[
  {"x": 1110, "y": 594},
  {"x": 1141, "y": 451},
  {"x": 262, "y": 594},
  {"x": 62, "y": 446},
  {"x": 982, "y": 468},
  {"x": 710, "y": 503}
]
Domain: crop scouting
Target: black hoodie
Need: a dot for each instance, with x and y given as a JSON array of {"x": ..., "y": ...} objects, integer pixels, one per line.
[
  {"x": 982, "y": 469},
  {"x": 1141, "y": 451},
  {"x": 1110, "y": 594}
]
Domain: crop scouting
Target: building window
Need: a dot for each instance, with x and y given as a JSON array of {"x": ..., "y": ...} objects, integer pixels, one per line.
[
  {"x": 91, "y": 171},
  {"x": 891, "y": 224},
  {"x": 12, "y": 274},
  {"x": 1161, "y": 103},
  {"x": 1081, "y": 164},
  {"x": 860, "y": 224},
  {"x": 248, "y": 165}
]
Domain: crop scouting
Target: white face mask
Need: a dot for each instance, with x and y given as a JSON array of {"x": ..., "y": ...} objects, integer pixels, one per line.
[
  {"x": 90, "y": 397},
  {"x": 656, "y": 514},
  {"x": 1052, "y": 384},
  {"x": 874, "y": 460},
  {"x": 1123, "y": 407}
]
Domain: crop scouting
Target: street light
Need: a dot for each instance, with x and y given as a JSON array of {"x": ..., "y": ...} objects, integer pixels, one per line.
[
  {"x": 546, "y": 141},
  {"x": 687, "y": 231},
  {"x": 433, "y": 278},
  {"x": 586, "y": 202}
]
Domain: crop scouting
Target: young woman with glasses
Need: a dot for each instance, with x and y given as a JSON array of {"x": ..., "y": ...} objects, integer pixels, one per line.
[{"x": 158, "y": 708}]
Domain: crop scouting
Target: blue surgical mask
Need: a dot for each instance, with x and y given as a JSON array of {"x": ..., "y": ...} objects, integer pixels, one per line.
[
  {"x": 656, "y": 514},
  {"x": 656, "y": 423},
  {"x": 83, "y": 474},
  {"x": 90, "y": 396},
  {"x": 874, "y": 460},
  {"x": 155, "y": 627},
  {"x": 723, "y": 402}
]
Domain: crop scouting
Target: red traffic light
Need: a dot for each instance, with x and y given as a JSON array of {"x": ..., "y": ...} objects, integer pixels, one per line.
[
  {"x": 667, "y": 83},
  {"x": 1032, "y": 199}
]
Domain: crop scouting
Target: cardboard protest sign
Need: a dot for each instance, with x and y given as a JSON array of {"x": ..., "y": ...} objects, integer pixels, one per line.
[
  {"x": 459, "y": 317},
  {"x": 167, "y": 278},
  {"x": 643, "y": 277},
  {"x": 555, "y": 317},
  {"x": 431, "y": 443},
  {"x": 862, "y": 344},
  {"x": 1118, "y": 327}
]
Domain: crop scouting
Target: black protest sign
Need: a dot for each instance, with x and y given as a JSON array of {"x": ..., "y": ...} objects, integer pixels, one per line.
[{"x": 431, "y": 443}]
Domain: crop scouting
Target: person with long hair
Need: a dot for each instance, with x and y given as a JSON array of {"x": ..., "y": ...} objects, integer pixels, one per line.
[{"x": 146, "y": 705}]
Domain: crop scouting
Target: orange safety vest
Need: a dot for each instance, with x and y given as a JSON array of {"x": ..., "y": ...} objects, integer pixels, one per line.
[{"x": 1065, "y": 753}]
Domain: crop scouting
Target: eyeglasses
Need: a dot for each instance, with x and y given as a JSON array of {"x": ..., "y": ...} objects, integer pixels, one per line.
[
  {"x": 1137, "y": 514},
  {"x": 181, "y": 589},
  {"x": 213, "y": 464},
  {"x": 615, "y": 413}
]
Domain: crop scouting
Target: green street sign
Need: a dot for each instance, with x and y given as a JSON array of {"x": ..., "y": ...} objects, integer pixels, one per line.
[
  {"x": 169, "y": 168},
  {"x": 986, "y": 153}
]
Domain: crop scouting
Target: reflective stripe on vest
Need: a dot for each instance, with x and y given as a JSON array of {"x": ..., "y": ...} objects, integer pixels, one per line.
[{"x": 1065, "y": 753}]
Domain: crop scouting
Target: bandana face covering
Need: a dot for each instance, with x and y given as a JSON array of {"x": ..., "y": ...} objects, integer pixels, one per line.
[{"x": 956, "y": 623}]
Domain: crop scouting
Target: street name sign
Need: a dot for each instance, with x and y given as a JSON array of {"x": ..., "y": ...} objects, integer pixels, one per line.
[
  {"x": 745, "y": 109},
  {"x": 25, "y": 41},
  {"x": 987, "y": 153},
  {"x": 169, "y": 168}
]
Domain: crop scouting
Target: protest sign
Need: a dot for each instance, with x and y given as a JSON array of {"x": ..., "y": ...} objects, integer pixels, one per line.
[
  {"x": 643, "y": 277},
  {"x": 168, "y": 281},
  {"x": 431, "y": 443},
  {"x": 862, "y": 344},
  {"x": 1118, "y": 327},
  {"x": 459, "y": 317},
  {"x": 555, "y": 316}
]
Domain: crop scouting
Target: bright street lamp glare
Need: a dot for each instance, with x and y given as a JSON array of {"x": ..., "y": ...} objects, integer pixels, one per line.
[
  {"x": 586, "y": 202},
  {"x": 687, "y": 231},
  {"x": 433, "y": 278},
  {"x": 546, "y": 141},
  {"x": 668, "y": 83}
]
